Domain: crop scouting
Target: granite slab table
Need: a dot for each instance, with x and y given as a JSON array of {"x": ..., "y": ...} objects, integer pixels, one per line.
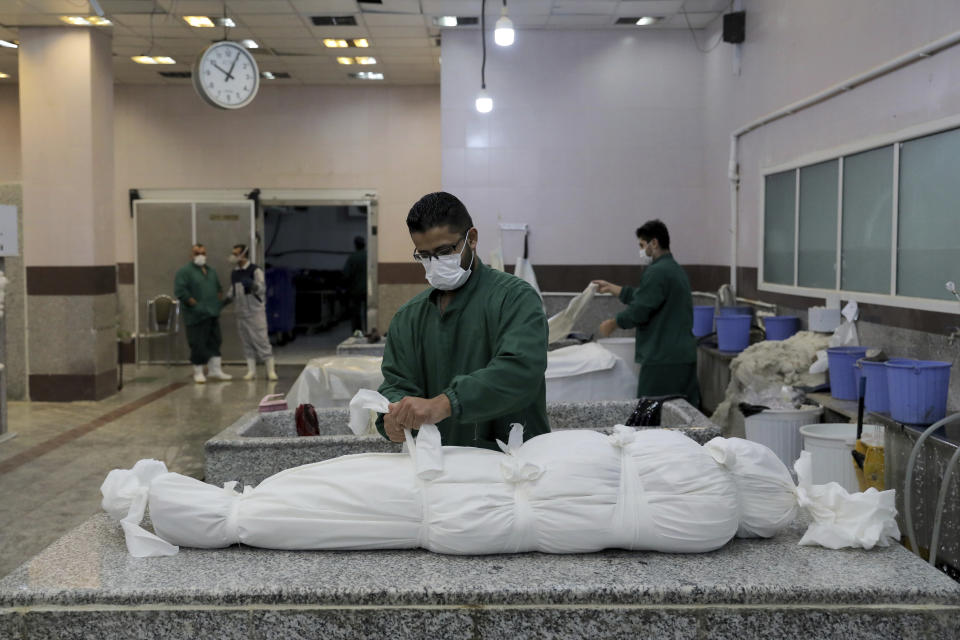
[
  {"x": 258, "y": 445},
  {"x": 85, "y": 585}
]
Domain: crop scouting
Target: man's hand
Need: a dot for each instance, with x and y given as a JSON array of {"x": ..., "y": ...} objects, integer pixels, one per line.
[
  {"x": 606, "y": 287},
  {"x": 393, "y": 430},
  {"x": 411, "y": 413},
  {"x": 607, "y": 327}
]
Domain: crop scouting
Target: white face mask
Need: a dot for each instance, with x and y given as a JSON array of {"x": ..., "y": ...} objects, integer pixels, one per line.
[
  {"x": 644, "y": 258},
  {"x": 200, "y": 260},
  {"x": 233, "y": 259},
  {"x": 445, "y": 272}
]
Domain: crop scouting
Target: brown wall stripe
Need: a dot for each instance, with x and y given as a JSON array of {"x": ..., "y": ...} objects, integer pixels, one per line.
[
  {"x": 71, "y": 281},
  {"x": 124, "y": 273},
  {"x": 553, "y": 277},
  {"x": 72, "y": 387}
]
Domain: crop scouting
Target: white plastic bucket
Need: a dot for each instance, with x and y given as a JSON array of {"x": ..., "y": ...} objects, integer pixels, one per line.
[
  {"x": 830, "y": 446},
  {"x": 779, "y": 430}
]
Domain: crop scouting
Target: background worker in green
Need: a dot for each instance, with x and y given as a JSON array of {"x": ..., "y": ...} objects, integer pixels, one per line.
[
  {"x": 469, "y": 353},
  {"x": 660, "y": 307},
  {"x": 355, "y": 279},
  {"x": 198, "y": 289}
]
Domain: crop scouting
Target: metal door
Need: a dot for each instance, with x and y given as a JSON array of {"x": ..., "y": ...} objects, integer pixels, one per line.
[{"x": 165, "y": 232}]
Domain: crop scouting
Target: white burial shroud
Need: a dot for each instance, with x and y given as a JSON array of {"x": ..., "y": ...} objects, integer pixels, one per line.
[{"x": 561, "y": 492}]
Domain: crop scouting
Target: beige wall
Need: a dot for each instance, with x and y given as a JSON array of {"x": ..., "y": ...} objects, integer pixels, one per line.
[
  {"x": 384, "y": 138},
  {"x": 9, "y": 132}
]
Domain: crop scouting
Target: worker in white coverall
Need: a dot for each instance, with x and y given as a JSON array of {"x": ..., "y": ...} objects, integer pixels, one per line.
[{"x": 248, "y": 289}]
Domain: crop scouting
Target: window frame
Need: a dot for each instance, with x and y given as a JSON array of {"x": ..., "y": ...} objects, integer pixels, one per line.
[{"x": 891, "y": 299}]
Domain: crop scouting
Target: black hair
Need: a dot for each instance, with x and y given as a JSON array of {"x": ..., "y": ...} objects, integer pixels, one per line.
[
  {"x": 655, "y": 230},
  {"x": 198, "y": 244},
  {"x": 359, "y": 242},
  {"x": 439, "y": 209},
  {"x": 242, "y": 247}
]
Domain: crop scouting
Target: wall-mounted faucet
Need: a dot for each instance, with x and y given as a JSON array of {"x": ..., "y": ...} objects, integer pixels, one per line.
[
  {"x": 952, "y": 288},
  {"x": 953, "y": 335}
]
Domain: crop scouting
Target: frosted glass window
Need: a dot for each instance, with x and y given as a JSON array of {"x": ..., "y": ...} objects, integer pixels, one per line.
[
  {"x": 779, "y": 218},
  {"x": 867, "y": 221},
  {"x": 817, "y": 246},
  {"x": 929, "y": 225}
]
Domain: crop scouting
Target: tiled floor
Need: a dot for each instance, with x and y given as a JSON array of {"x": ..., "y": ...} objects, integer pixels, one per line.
[{"x": 50, "y": 473}]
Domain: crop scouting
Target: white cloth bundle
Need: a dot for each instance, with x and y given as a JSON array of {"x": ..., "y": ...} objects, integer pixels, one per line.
[
  {"x": 562, "y": 492},
  {"x": 562, "y": 323}
]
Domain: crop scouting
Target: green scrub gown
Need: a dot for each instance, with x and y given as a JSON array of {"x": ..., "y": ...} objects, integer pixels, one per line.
[
  {"x": 487, "y": 352},
  {"x": 202, "y": 321},
  {"x": 661, "y": 310}
]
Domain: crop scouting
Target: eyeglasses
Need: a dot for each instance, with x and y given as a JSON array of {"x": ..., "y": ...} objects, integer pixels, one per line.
[{"x": 439, "y": 252}]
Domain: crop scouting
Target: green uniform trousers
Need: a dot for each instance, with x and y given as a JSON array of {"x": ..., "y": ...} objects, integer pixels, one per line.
[
  {"x": 669, "y": 379},
  {"x": 204, "y": 339}
]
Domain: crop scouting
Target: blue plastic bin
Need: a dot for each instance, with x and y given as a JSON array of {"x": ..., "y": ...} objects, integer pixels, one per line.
[
  {"x": 781, "y": 327},
  {"x": 918, "y": 390},
  {"x": 702, "y": 320},
  {"x": 877, "y": 397},
  {"x": 281, "y": 296},
  {"x": 746, "y": 310},
  {"x": 733, "y": 332},
  {"x": 842, "y": 360}
]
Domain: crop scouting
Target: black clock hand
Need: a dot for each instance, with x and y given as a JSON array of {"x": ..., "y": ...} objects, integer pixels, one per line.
[
  {"x": 229, "y": 73},
  {"x": 225, "y": 72}
]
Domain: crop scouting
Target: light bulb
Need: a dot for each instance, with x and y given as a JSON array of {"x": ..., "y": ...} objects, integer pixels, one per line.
[
  {"x": 484, "y": 102},
  {"x": 503, "y": 33}
]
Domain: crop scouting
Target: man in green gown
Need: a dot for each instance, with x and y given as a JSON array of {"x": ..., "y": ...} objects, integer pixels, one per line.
[
  {"x": 469, "y": 353},
  {"x": 660, "y": 307},
  {"x": 198, "y": 288}
]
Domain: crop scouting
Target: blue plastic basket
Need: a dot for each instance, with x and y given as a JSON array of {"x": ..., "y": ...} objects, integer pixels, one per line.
[
  {"x": 781, "y": 327},
  {"x": 745, "y": 310},
  {"x": 843, "y": 384},
  {"x": 918, "y": 390},
  {"x": 877, "y": 397},
  {"x": 733, "y": 333},
  {"x": 702, "y": 320}
]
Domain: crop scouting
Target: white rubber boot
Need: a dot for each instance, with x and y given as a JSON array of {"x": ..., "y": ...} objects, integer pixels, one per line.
[
  {"x": 271, "y": 369},
  {"x": 251, "y": 369},
  {"x": 198, "y": 376},
  {"x": 215, "y": 370}
]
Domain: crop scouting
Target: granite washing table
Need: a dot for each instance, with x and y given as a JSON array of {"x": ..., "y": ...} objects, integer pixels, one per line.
[
  {"x": 85, "y": 585},
  {"x": 259, "y": 445}
]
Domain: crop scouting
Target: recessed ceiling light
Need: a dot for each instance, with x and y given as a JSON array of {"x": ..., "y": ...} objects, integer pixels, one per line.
[
  {"x": 367, "y": 75},
  {"x": 646, "y": 20},
  {"x": 445, "y": 21},
  {"x": 361, "y": 43},
  {"x": 250, "y": 44},
  {"x": 153, "y": 59},
  {"x": 9, "y": 45},
  {"x": 366, "y": 60},
  {"x": 82, "y": 21},
  {"x": 268, "y": 75},
  {"x": 335, "y": 43},
  {"x": 3, "y": 75},
  {"x": 199, "y": 21},
  {"x": 345, "y": 60}
]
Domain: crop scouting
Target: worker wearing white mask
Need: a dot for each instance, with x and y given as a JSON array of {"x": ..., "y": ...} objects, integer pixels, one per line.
[
  {"x": 469, "y": 353},
  {"x": 201, "y": 296},
  {"x": 660, "y": 308},
  {"x": 248, "y": 289}
]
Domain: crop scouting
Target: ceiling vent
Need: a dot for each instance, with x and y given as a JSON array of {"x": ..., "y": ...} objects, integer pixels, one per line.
[{"x": 334, "y": 21}]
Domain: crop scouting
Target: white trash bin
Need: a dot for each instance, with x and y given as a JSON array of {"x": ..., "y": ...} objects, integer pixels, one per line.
[
  {"x": 830, "y": 446},
  {"x": 779, "y": 430}
]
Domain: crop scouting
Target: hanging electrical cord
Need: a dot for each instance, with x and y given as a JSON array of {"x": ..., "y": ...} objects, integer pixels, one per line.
[
  {"x": 484, "y": 102},
  {"x": 694, "y": 35},
  {"x": 224, "y": 19}
]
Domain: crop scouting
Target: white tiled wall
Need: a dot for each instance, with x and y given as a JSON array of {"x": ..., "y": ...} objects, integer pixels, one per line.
[{"x": 592, "y": 133}]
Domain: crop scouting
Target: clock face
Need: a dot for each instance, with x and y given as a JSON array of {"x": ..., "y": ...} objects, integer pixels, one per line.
[{"x": 226, "y": 75}]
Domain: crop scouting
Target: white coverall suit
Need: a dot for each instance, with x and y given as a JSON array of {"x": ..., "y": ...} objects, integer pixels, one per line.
[{"x": 248, "y": 289}]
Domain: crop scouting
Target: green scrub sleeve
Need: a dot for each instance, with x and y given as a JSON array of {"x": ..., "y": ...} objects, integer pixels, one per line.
[
  {"x": 642, "y": 302},
  {"x": 397, "y": 362},
  {"x": 515, "y": 373}
]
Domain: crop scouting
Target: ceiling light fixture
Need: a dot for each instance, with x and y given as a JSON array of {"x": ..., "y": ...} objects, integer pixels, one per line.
[
  {"x": 345, "y": 60},
  {"x": 3, "y": 75},
  {"x": 367, "y": 75},
  {"x": 445, "y": 21},
  {"x": 335, "y": 43},
  {"x": 226, "y": 22},
  {"x": 268, "y": 75},
  {"x": 250, "y": 44},
  {"x": 503, "y": 33},
  {"x": 81, "y": 21},
  {"x": 366, "y": 60},
  {"x": 483, "y": 103},
  {"x": 153, "y": 60},
  {"x": 647, "y": 20},
  {"x": 200, "y": 22},
  {"x": 164, "y": 60},
  {"x": 9, "y": 45},
  {"x": 361, "y": 43}
]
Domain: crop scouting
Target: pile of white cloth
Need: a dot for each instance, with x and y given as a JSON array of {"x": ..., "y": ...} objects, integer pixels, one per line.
[{"x": 561, "y": 492}]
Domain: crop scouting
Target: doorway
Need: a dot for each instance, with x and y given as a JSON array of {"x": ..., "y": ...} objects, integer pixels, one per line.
[{"x": 315, "y": 258}]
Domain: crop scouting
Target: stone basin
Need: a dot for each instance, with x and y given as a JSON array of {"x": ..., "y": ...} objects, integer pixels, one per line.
[{"x": 260, "y": 444}]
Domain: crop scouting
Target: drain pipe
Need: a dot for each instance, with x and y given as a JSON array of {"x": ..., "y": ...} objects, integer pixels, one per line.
[{"x": 733, "y": 172}]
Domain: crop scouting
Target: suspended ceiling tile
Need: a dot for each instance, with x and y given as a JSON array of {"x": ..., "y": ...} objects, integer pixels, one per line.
[
  {"x": 339, "y": 32},
  {"x": 143, "y": 19},
  {"x": 291, "y": 43},
  {"x": 584, "y": 7},
  {"x": 112, "y": 7},
  {"x": 706, "y": 6},
  {"x": 255, "y": 20},
  {"x": 451, "y": 7},
  {"x": 523, "y": 7},
  {"x": 390, "y": 20},
  {"x": 393, "y": 6},
  {"x": 60, "y": 7},
  {"x": 397, "y": 32},
  {"x": 529, "y": 21},
  {"x": 403, "y": 43},
  {"x": 697, "y": 20},
  {"x": 579, "y": 21},
  {"x": 259, "y": 6},
  {"x": 29, "y": 20},
  {"x": 193, "y": 7},
  {"x": 281, "y": 32},
  {"x": 638, "y": 8},
  {"x": 325, "y": 7}
]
